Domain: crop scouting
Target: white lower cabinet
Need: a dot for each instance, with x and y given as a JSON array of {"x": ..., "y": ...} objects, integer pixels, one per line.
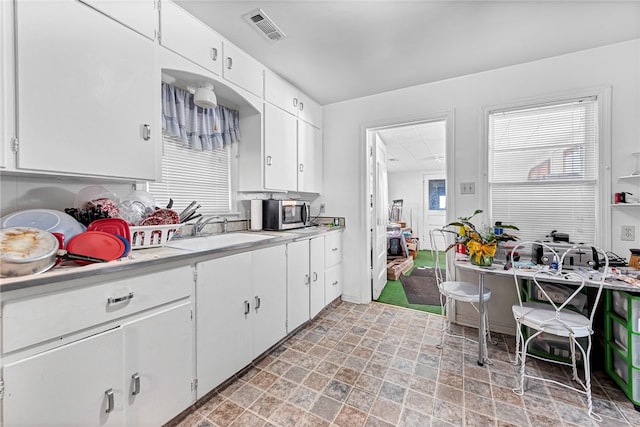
[
  {"x": 317, "y": 276},
  {"x": 70, "y": 385},
  {"x": 158, "y": 366},
  {"x": 298, "y": 280},
  {"x": 333, "y": 265},
  {"x": 135, "y": 369},
  {"x": 305, "y": 280},
  {"x": 137, "y": 374},
  {"x": 240, "y": 312}
]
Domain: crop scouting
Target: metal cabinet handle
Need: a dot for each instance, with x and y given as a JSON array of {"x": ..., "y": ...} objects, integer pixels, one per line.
[
  {"x": 146, "y": 132},
  {"x": 257, "y": 302},
  {"x": 247, "y": 307},
  {"x": 334, "y": 249},
  {"x": 301, "y": 105},
  {"x": 136, "y": 384},
  {"x": 214, "y": 54},
  {"x": 295, "y": 102},
  {"x": 307, "y": 279},
  {"x": 269, "y": 161},
  {"x": 315, "y": 276},
  {"x": 110, "y": 404},
  {"x": 301, "y": 167},
  {"x": 114, "y": 300},
  {"x": 229, "y": 62},
  {"x": 334, "y": 283}
]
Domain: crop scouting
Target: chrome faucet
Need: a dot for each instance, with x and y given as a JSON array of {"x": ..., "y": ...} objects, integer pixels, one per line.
[{"x": 202, "y": 222}]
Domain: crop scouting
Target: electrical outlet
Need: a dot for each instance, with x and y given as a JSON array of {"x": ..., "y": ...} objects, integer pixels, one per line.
[
  {"x": 628, "y": 233},
  {"x": 467, "y": 188},
  {"x": 322, "y": 207}
]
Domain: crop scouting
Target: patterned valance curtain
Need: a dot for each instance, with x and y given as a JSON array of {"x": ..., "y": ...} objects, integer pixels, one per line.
[{"x": 203, "y": 129}]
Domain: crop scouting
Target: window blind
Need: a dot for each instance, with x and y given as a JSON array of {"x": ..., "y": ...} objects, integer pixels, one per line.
[
  {"x": 543, "y": 168},
  {"x": 189, "y": 175}
]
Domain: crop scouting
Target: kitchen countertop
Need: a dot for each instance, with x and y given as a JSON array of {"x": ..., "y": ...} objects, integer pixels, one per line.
[{"x": 153, "y": 257}]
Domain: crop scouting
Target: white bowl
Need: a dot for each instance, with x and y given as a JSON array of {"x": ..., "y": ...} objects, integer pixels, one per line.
[{"x": 49, "y": 220}]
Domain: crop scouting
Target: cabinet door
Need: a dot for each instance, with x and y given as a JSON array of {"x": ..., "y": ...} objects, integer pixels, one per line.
[
  {"x": 309, "y": 158},
  {"x": 243, "y": 70},
  {"x": 280, "y": 170},
  {"x": 270, "y": 297},
  {"x": 297, "y": 284},
  {"x": 309, "y": 111},
  {"x": 158, "y": 368},
  {"x": 88, "y": 97},
  {"x": 67, "y": 386},
  {"x": 316, "y": 287},
  {"x": 190, "y": 38},
  {"x": 139, "y": 15},
  {"x": 223, "y": 319},
  {"x": 280, "y": 93}
]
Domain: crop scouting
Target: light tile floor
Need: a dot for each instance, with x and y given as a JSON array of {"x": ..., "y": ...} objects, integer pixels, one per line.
[{"x": 377, "y": 365}]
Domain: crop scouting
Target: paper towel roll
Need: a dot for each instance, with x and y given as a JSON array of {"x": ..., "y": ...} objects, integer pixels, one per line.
[{"x": 256, "y": 215}]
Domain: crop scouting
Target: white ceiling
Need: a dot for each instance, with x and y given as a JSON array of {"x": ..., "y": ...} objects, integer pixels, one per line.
[
  {"x": 339, "y": 50},
  {"x": 416, "y": 147}
]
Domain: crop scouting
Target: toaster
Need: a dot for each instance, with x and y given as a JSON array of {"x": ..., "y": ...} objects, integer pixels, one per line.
[{"x": 584, "y": 256}]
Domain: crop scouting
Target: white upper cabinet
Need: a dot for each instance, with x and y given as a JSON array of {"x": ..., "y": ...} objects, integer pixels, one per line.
[
  {"x": 280, "y": 160},
  {"x": 87, "y": 93},
  {"x": 279, "y": 92},
  {"x": 309, "y": 158},
  {"x": 243, "y": 70},
  {"x": 139, "y": 15},
  {"x": 185, "y": 35}
]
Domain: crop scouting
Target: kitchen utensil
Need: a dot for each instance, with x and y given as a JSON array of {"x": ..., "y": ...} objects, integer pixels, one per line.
[
  {"x": 170, "y": 204},
  {"x": 192, "y": 216},
  {"x": 117, "y": 226},
  {"x": 187, "y": 211},
  {"x": 49, "y": 220},
  {"x": 96, "y": 244},
  {"x": 28, "y": 250}
]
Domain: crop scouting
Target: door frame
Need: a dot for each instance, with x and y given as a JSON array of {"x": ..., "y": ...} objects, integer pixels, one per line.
[{"x": 369, "y": 130}]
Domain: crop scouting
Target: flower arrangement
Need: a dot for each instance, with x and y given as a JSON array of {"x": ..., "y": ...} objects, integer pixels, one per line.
[{"x": 481, "y": 244}]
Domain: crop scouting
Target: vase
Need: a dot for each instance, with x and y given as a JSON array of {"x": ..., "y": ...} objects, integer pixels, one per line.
[{"x": 481, "y": 260}]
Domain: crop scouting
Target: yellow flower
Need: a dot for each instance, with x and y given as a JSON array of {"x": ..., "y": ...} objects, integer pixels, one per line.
[{"x": 479, "y": 250}]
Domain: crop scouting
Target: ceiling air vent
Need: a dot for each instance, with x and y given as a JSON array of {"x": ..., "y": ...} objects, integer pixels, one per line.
[{"x": 265, "y": 26}]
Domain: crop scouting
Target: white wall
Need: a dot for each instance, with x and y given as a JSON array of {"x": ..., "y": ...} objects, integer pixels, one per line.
[{"x": 617, "y": 66}]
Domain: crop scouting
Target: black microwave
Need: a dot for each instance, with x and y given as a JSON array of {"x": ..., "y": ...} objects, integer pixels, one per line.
[{"x": 284, "y": 214}]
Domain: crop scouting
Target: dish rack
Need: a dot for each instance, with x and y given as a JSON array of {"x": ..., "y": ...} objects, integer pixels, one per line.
[{"x": 152, "y": 236}]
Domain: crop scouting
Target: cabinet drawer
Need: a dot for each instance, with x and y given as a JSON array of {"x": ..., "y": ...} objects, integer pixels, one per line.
[
  {"x": 29, "y": 321},
  {"x": 333, "y": 249},
  {"x": 333, "y": 283}
]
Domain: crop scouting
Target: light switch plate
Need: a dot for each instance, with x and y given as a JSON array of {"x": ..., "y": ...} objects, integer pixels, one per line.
[
  {"x": 628, "y": 233},
  {"x": 467, "y": 188}
]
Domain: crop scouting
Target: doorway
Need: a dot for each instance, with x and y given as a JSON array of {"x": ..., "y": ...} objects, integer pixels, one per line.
[{"x": 406, "y": 161}]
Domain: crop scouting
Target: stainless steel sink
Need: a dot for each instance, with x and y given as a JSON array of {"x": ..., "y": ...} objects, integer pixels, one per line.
[{"x": 217, "y": 241}]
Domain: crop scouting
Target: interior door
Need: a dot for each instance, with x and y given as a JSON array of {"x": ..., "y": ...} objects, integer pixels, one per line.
[{"x": 380, "y": 219}]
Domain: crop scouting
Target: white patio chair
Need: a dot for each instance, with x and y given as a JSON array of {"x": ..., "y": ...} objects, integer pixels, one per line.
[
  {"x": 455, "y": 290},
  {"x": 563, "y": 316}
]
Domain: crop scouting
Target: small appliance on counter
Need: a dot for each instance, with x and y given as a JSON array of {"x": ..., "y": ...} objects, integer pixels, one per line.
[
  {"x": 585, "y": 256},
  {"x": 634, "y": 259},
  {"x": 284, "y": 214}
]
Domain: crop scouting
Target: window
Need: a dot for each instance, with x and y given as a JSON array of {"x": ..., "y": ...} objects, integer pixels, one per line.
[
  {"x": 189, "y": 175},
  {"x": 543, "y": 168}
]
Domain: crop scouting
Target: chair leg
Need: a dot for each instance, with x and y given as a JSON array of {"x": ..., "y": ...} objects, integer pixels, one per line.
[
  {"x": 486, "y": 325},
  {"x": 444, "y": 308},
  {"x": 518, "y": 354},
  {"x": 587, "y": 379}
]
